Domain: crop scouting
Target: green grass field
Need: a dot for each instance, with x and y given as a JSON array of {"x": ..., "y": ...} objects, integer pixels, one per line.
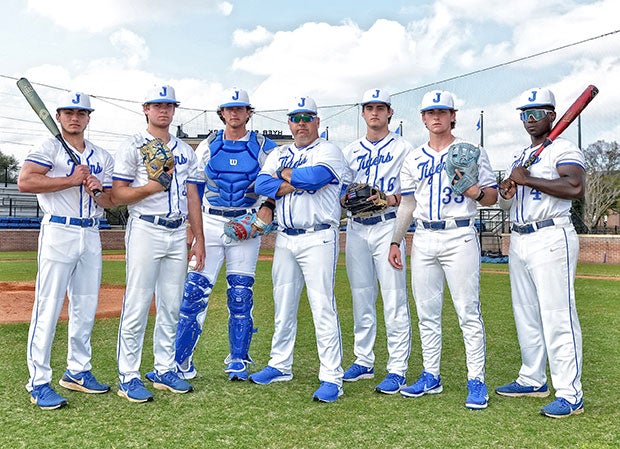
[{"x": 223, "y": 414}]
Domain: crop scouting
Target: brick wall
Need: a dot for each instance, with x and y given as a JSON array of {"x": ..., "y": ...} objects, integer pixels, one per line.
[{"x": 593, "y": 248}]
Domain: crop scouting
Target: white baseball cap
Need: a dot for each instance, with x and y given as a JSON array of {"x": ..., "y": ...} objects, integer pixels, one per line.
[
  {"x": 74, "y": 100},
  {"x": 302, "y": 104},
  {"x": 161, "y": 94},
  {"x": 234, "y": 97},
  {"x": 437, "y": 99},
  {"x": 536, "y": 97},
  {"x": 376, "y": 96}
]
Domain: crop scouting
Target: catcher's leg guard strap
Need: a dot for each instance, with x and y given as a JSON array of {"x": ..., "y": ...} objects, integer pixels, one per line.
[
  {"x": 240, "y": 323},
  {"x": 195, "y": 301}
]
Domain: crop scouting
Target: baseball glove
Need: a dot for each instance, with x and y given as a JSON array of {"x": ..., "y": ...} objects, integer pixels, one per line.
[
  {"x": 159, "y": 162},
  {"x": 356, "y": 199},
  {"x": 240, "y": 228},
  {"x": 463, "y": 157}
]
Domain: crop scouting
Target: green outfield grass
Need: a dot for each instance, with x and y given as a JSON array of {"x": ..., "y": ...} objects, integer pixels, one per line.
[{"x": 222, "y": 414}]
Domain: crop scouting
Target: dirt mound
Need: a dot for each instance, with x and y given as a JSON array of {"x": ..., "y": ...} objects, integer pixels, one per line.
[{"x": 16, "y": 299}]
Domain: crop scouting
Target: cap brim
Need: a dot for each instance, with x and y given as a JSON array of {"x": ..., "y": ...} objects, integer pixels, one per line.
[
  {"x": 301, "y": 111},
  {"x": 535, "y": 105},
  {"x": 375, "y": 101},
  {"x": 78, "y": 108},
  {"x": 430, "y": 108},
  {"x": 163, "y": 101},
  {"x": 234, "y": 104}
]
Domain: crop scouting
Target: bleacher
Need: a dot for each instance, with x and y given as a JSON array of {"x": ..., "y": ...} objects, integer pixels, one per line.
[{"x": 21, "y": 210}]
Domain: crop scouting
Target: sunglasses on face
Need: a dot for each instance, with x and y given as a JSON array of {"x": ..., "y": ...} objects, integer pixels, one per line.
[
  {"x": 536, "y": 114},
  {"x": 306, "y": 118}
]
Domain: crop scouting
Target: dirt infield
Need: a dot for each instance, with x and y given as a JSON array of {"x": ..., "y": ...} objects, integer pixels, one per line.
[{"x": 16, "y": 299}]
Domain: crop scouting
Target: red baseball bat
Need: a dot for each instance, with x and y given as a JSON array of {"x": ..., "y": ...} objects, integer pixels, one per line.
[{"x": 569, "y": 116}]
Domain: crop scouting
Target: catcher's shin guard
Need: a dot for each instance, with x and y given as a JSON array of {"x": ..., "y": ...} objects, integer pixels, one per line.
[
  {"x": 195, "y": 301},
  {"x": 240, "y": 323}
]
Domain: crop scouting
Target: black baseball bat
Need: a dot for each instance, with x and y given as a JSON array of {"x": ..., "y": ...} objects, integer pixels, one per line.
[{"x": 39, "y": 108}]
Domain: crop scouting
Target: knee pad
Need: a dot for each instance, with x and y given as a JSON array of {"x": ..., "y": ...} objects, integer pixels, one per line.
[
  {"x": 195, "y": 301},
  {"x": 195, "y": 294},
  {"x": 240, "y": 323}
]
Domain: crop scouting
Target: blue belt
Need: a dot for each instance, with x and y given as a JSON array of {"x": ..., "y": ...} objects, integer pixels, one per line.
[
  {"x": 81, "y": 222},
  {"x": 533, "y": 227},
  {"x": 171, "y": 223},
  {"x": 438, "y": 225},
  {"x": 229, "y": 213},
  {"x": 296, "y": 231},
  {"x": 376, "y": 219}
]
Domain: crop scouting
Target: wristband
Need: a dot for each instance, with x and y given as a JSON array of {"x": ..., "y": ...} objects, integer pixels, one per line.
[
  {"x": 279, "y": 173},
  {"x": 480, "y": 196},
  {"x": 269, "y": 205},
  {"x": 395, "y": 243}
]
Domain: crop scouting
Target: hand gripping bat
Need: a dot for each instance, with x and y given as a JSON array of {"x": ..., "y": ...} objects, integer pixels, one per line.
[
  {"x": 569, "y": 116},
  {"x": 39, "y": 108}
]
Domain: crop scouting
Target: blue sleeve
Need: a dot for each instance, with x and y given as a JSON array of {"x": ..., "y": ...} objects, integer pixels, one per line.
[
  {"x": 311, "y": 178},
  {"x": 269, "y": 145},
  {"x": 267, "y": 185},
  {"x": 201, "y": 190}
]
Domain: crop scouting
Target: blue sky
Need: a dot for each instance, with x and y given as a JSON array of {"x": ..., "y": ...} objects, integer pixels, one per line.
[{"x": 331, "y": 50}]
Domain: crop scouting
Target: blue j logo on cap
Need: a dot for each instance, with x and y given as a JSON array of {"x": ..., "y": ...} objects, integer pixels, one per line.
[
  {"x": 236, "y": 96},
  {"x": 533, "y": 97},
  {"x": 302, "y": 103},
  {"x": 376, "y": 94},
  {"x": 437, "y": 98},
  {"x": 76, "y": 100},
  {"x": 164, "y": 91}
]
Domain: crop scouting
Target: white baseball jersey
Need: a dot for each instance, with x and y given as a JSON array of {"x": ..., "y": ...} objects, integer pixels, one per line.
[
  {"x": 156, "y": 257},
  {"x": 129, "y": 167},
  {"x": 308, "y": 257},
  {"x": 74, "y": 202},
  {"x": 377, "y": 163},
  {"x": 302, "y": 209},
  {"x": 69, "y": 261},
  {"x": 543, "y": 264},
  {"x": 367, "y": 249},
  {"x": 423, "y": 174},
  {"x": 531, "y": 205},
  {"x": 448, "y": 253}
]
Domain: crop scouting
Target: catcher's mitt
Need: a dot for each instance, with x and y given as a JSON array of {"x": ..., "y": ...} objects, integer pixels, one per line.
[
  {"x": 464, "y": 157},
  {"x": 240, "y": 228},
  {"x": 356, "y": 199},
  {"x": 159, "y": 162}
]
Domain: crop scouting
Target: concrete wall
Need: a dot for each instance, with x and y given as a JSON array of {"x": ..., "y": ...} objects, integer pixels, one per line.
[{"x": 593, "y": 248}]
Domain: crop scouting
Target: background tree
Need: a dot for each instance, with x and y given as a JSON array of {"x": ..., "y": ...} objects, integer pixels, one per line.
[
  {"x": 9, "y": 168},
  {"x": 603, "y": 180}
]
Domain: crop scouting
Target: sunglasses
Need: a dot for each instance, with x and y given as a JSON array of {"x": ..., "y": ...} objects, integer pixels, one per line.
[
  {"x": 306, "y": 118},
  {"x": 536, "y": 114}
]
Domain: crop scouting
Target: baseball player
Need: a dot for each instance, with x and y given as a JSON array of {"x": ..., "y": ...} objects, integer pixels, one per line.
[
  {"x": 544, "y": 249},
  {"x": 445, "y": 247},
  {"x": 69, "y": 259},
  {"x": 376, "y": 160},
  {"x": 229, "y": 161},
  {"x": 304, "y": 178},
  {"x": 155, "y": 241}
]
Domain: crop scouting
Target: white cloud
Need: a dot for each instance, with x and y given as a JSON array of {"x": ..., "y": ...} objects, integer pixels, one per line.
[
  {"x": 225, "y": 8},
  {"x": 258, "y": 36},
  {"x": 132, "y": 46}
]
